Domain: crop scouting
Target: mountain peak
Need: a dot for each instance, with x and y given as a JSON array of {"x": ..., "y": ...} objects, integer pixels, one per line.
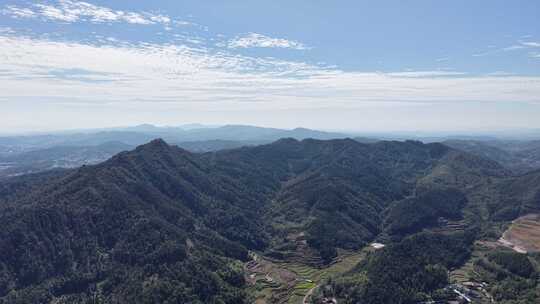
[
  {"x": 155, "y": 144},
  {"x": 145, "y": 126}
]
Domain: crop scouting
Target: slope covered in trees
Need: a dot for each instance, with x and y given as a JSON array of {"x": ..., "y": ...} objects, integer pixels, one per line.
[
  {"x": 519, "y": 156},
  {"x": 411, "y": 271},
  {"x": 160, "y": 224}
]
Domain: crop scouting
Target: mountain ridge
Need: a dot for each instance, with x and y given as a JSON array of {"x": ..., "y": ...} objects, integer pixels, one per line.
[{"x": 160, "y": 206}]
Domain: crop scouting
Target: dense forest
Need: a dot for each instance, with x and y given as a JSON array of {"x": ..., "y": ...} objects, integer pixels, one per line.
[
  {"x": 162, "y": 225},
  {"x": 410, "y": 271}
]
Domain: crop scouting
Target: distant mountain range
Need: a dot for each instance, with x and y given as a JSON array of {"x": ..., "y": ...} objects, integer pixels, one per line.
[
  {"x": 517, "y": 155},
  {"x": 29, "y": 154},
  {"x": 143, "y": 133}
]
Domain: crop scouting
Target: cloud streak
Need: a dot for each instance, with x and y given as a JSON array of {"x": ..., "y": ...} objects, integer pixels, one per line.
[
  {"x": 426, "y": 74},
  {"x": 531, "y": 44},
  {"x": 513, "y": 48},
  {"x": 254, "y": 40},
  {"x": 18, "y": 12},
  {"x": 69, "y": 11},
  {"x": 443, "y": 59},
  {"x": 50, "y": 71},
  {"x": 520, "y": 45}
]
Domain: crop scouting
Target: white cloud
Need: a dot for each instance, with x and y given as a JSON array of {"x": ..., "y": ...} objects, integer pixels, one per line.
[
  {"x": 519, "y": 45},
  {"x": 59, "y": 14},
  {"x": 77, "y": 11},
  {"x": 513, "y": 48},
  {"x": 254, "y": 40},
  {"x": 483, "y": 54},
  {"x": 501, "y": 73},
  {"x": 160, "y": 19},
  {"x": 17, "y": 12},
  {"x": 522, "y": 45},
  {"x": 135, "y": 18},
  {"x": 531, "y": 43},
  {"x": 424, "y": 74},
  {"x": 6, "y": 30},
  {"x": 197, "y": 78}
]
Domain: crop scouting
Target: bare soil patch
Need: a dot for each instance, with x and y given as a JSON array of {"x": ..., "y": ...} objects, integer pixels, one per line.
[{"x": 523, "y": 235}]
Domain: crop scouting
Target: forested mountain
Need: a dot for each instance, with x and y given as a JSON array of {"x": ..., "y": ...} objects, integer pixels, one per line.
[
  {"x": 58, "y": 157},
  {"x": 159, "y": 224},
  {"x": 35, "y": 153},
  {"x": 520, "y": 156}
]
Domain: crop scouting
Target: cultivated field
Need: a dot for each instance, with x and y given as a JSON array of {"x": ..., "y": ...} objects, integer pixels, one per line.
[
  {"x": 524, "y": 234},
  {"x": 275, "y": 282}
]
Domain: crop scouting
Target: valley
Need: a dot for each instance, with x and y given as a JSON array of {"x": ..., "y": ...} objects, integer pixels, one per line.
[{"x": 278, "y": 281}]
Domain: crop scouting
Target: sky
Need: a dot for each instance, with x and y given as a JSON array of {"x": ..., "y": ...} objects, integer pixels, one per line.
[{"x": 369, "y": 66}]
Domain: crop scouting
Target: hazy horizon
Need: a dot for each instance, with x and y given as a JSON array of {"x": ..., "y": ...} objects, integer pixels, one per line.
[{"x": 516, "y": 133}]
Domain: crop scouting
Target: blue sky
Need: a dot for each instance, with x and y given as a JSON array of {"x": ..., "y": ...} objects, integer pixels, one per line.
[{"x": 354, "y": 65}]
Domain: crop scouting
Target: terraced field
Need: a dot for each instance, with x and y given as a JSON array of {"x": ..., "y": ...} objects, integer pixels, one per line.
[
  {"x": 468, "y": 280},
  {"x": 289, "y": 282},
  {"x": 466, "y": 272},
  {"x": 524, "y": 234}
]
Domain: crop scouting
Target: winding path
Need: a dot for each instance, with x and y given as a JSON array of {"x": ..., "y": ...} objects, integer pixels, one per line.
[{"x": 308, "y": 294}]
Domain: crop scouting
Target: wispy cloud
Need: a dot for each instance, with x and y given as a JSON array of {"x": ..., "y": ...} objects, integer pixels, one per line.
[
  {"x": 426, "y": 74},
  {"x": 6, "y": 30},
  {"x": 519, "y": 45},
  {"x": 18, "y": 12},
  {"x": 513, "y": 47},
  {"x": 202, "y": 78},
  {"x": 69, "y": 11},
  {"x": 482, "y": 54},
  {"x": 254, "y": 40},
  {"x": 501, "y": 73},
  {"x": 443, "y": 59},
  {"x": 522, "y": 45},
  {"x": 531, "y": 43}
]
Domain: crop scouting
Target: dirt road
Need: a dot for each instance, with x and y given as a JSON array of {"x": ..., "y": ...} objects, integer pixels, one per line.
[{"x": 308, "y": 294}]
